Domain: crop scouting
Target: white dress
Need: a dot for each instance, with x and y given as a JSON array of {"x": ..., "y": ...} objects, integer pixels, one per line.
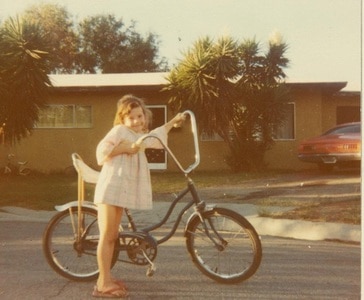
[{"x": 125, "y": 179}]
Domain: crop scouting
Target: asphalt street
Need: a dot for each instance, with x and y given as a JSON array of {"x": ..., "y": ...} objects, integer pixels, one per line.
[{"x": 290, "y": 269}]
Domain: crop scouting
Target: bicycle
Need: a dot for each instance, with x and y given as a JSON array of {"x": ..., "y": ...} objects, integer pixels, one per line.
[
  {"x": 222, "y": 243},
  {"x": 18, "y": 169}
]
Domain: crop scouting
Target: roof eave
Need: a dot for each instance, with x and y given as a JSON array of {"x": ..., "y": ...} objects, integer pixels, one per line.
[
  {"x": 327, "y": 88},
  {"x": 121, "y": 88}
]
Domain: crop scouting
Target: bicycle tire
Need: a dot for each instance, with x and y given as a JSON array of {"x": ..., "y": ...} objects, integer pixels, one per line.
[
  {"x": 73, "y": 261},
  {"x": 238, "y": 259}
]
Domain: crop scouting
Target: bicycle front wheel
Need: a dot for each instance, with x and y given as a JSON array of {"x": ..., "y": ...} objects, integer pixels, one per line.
[
  {"x": 70, "y": 257},
  {"x": 228, "y": 250}
]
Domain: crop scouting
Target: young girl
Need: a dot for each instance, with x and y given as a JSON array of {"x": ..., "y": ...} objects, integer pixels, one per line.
[{"x": 124, "y": 181}]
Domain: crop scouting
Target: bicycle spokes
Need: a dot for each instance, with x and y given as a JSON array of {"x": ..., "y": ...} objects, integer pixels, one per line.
[{"x": 224, "y": 246}]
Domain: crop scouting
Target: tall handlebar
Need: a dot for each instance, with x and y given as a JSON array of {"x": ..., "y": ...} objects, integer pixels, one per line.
[{"x": 195, "y": 141}]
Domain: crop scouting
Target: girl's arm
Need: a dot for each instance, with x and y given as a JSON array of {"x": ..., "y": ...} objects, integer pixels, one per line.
[
  {"x": 125, "y": 147},
  {"x": 111, "y": 146},
  {"x": 162, "y": 132},
  {"x": 175, "y": 122}
]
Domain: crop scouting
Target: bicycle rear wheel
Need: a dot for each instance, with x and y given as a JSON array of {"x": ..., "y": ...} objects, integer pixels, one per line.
[
  {"x": 75, "y": 260},
  {"x": 237, "y": 252}
]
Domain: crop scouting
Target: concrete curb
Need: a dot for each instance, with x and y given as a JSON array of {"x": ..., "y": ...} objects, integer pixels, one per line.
[{"x": 306, "y": 230}]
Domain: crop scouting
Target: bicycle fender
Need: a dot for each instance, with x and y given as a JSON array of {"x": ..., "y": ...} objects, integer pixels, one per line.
[
  {"x": 140, "y": 235},
  {"x": 196, "y": 215},
  {"x": 75, "y": 204}
]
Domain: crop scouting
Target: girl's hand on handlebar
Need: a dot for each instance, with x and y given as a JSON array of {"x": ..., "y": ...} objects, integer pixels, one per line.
[
  {"x": 175, "y": 122},
  {"x": 178, "y": 120},
  {"x": 125, "y": 147},
  {"x": 131, "y": 148}
]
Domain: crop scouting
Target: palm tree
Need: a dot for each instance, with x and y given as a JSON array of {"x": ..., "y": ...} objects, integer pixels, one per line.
[
  {"x": 202, "y": 81},
  {"x": 24, "y": 82},
  {"x": 235, "y": 92}
]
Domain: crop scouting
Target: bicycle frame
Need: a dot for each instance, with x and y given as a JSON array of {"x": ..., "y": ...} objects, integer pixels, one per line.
[{"x": 195, "y": 201}]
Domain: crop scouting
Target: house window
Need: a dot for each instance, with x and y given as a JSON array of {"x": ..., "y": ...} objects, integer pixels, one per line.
[
  {"x": 157, "y": 158},
  {"x": 65, "y": 116},
  {"x": 286, "y": 131}
]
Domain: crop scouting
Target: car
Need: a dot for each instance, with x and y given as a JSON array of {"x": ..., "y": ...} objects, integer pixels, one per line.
[{"x": 339, "y": 146}]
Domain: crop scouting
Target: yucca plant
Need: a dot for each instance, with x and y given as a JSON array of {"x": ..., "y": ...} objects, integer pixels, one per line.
[
  {"x": 24, "y": 82},
  {"x": 201, "y": 82},
  {"x": 235, "y": 91}
]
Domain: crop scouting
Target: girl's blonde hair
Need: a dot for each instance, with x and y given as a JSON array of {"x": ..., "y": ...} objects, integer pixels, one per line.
[{"x": 126, "y": 104}]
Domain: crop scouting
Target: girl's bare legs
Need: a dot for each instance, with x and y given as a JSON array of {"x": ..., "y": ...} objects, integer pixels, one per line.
[{"x": 109, "y": 218}]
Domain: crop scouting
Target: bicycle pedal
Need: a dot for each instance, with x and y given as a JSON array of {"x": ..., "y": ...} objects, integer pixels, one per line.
[{"x": 151, "y": 270}]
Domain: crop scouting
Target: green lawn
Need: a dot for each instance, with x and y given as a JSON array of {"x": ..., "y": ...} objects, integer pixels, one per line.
[
  {"x": 37, "y": 191},
  {"x": 43, "y": 192}
]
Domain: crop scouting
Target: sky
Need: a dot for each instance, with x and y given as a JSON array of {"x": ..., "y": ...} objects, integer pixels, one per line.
[{"x": 323, "y": 36}]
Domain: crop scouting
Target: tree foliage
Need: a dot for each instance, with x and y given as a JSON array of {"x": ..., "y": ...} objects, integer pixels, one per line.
[
  {"x": 23, "y": 77},
  {"x": 236, "y": 92},
  {"x": 107, "y": 45},
  {"x": 56, "y": 26},
  {"x": 96, "y": 44}
]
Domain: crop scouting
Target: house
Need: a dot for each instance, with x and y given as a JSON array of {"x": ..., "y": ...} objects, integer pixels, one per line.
[{"x": 81, "y": 110}]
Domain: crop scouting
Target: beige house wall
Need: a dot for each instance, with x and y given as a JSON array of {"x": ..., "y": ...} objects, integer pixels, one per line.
[
  {"x": 49, "y": 150},
  {"x": 332, "y": 103},
  {"x": 283, "y": 155}
]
